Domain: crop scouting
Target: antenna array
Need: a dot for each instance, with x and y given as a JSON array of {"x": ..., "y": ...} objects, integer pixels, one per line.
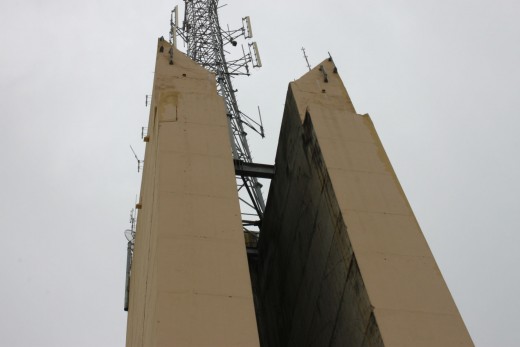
[{"x": 206, "y": 43}]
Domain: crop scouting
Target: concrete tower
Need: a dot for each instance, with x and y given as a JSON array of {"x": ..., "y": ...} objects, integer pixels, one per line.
[
  {"x": 189, "y": 283},
  {"x": 342, "y": 260}
]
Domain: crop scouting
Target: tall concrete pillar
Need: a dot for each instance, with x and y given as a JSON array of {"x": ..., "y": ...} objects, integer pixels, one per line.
[
  {"x": 189, "y": 283},
  {"x": 343, "y": 261}
]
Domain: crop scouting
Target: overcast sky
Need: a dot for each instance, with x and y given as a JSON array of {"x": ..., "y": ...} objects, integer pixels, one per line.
[{"x": 440, "y": 80}]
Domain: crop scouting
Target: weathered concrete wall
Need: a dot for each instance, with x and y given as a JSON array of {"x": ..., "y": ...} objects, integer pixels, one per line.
[
  {"x": 190, "y": 281},
  {"x": 343, "y": 261}
]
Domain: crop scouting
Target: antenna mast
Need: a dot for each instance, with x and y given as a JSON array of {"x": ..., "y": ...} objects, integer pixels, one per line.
[{"x": 206, "y": 41}]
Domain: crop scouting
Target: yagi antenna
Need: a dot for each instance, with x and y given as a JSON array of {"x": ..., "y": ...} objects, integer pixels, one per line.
[
  {"x": 306, "y": 58},
  {"x": 139, "y": 161}
]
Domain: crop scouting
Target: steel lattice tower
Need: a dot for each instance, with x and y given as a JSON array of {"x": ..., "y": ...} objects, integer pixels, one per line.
[{"x": 206, "y": 41}]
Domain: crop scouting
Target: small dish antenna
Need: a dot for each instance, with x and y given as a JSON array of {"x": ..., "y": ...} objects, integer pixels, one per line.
[{"x": 130, "y": 235}]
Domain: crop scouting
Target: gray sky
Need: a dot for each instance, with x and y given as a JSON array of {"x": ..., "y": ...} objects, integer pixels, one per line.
[{"x": 439, "y": 79}]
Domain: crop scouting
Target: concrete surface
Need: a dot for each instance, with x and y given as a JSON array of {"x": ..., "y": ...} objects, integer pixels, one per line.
[
  {"x": 343, "y": 261},
  {"x": 190, "y": 281}
]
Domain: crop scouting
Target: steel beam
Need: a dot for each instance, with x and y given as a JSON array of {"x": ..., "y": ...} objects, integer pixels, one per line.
[{"x": 243, "y": 168}]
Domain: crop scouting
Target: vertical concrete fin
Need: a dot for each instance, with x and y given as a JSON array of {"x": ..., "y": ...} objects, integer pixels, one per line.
[
  {"x": 343, "y": 259},
  {"x": 190, "y": 281}
]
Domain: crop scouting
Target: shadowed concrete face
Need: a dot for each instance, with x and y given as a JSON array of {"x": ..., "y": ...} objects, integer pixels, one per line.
[
  {"x": 343, "y": 261},
  {"x": 189, "y": 284}
]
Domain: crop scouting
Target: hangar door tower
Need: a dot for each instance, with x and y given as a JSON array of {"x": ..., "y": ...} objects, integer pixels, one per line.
[{"x": 340, "y": 259}]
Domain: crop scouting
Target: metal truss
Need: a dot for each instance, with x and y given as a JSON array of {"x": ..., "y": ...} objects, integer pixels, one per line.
[
  {"x": 207, "y": 44},
  {"x": 130, "y": 236}
]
